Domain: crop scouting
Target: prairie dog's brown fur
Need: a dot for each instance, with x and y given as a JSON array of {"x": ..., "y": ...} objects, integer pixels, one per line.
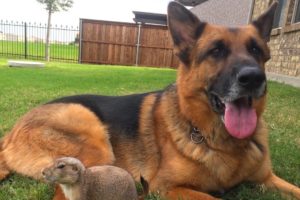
[{"x": 78, "y": 183}]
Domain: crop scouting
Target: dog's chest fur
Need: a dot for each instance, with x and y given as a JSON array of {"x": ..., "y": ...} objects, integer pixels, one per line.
[
  {"x": 214, "y": 171},
  {"x": 212, "y": 165}
]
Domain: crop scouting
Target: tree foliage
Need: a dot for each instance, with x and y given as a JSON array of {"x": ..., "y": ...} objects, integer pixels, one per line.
[
  {"x": 53, "y": 6},
  {"x": 57, "y": 5}
]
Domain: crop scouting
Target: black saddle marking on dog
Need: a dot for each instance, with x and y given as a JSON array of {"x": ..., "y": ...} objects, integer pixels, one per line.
[{"x": 120, "y": 113}]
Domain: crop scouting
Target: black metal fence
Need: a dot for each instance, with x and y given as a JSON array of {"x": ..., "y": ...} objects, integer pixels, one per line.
[{"x": 27, "y": 41}]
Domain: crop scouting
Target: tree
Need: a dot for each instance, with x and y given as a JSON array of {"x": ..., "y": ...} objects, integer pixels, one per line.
[
  {"x": 76, "y": 41},
  {"x": 53, "y": 6}
]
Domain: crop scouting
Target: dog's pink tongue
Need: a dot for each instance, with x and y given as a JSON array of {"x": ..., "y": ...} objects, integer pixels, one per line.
[{"x": 240, "y": 121}]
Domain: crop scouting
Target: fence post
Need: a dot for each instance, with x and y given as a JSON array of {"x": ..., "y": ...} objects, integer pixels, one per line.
[
  {"x": 80, "y": 41},
  {"x": 137, "y": 57},
  {"x": 25, "y": 40}
]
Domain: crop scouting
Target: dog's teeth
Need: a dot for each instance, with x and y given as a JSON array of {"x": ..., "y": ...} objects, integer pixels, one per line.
[{"x": 222, "y": 118}]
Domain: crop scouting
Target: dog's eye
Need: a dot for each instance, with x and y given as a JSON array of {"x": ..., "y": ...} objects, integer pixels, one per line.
[
  {"x": 255, "y": 50},
  {"x": 218, "y": 52}
]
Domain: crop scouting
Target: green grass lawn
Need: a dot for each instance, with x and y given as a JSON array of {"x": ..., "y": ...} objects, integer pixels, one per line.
[
  {"x": 36, "y": 50},
  {"x": 22, "y": 89}
]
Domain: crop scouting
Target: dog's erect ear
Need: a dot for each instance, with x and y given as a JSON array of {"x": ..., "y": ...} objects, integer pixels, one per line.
[
  {"x": 185, "y": 29},
  {"x": 264, "y": 23}
]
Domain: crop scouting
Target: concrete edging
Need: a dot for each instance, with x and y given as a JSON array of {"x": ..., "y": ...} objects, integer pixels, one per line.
[
  {"x": 17, "y": 63},
  {"x": 289, "y": 80}
]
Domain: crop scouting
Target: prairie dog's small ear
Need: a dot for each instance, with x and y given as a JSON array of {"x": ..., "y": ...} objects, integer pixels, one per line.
[
  {"x": 185, "y": 28},
  {"x": 75, "y": 168},
  {"x": 264, "y": 22}
]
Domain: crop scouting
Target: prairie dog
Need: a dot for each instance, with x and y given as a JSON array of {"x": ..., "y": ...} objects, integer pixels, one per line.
[{"x": 100, "y": 182}]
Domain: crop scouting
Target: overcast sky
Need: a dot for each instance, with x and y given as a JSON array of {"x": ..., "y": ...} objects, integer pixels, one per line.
[{"x": 113, "y": 10}]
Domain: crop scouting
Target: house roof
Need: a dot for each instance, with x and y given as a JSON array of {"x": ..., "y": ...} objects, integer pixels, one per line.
[
  {"x": 150, "y": 18},
  {"x": 191, "y": 2},
  {"x": 224, "y": 12}
]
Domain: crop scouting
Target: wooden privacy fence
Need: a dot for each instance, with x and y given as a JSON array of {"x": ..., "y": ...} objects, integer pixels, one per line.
[{"x": 116, "y": 43}]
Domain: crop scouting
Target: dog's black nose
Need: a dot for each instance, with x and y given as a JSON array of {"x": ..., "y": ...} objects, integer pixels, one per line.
[{"x": 251, "y": 77}]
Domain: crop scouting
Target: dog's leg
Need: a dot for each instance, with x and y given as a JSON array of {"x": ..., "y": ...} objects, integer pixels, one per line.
[
  {"x": 274, "y": 182},
  {"x": 4, "y": 170},
  {"x": 180, "y": 193}
]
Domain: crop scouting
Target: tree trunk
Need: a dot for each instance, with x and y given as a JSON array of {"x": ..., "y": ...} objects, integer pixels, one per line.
[{"x": 47, "y": 47}]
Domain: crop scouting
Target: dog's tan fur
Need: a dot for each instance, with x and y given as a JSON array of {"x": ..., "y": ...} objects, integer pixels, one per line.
[
  {"x": 51, "y": 130},
  {"x": 162, "y": 150}
]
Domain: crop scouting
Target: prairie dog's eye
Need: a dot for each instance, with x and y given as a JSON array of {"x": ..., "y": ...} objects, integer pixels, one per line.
[{"x": 60, "y": 165}]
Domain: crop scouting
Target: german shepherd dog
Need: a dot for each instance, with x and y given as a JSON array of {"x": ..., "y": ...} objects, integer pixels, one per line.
[{"x": 204, "y": 133}]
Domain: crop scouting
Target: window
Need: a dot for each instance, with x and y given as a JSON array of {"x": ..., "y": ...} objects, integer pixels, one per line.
[
  {"x": 297, "y": 12},
  {"x": 279, "y": 14}
]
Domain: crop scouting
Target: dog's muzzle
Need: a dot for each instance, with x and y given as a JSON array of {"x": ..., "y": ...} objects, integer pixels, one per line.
[{"x": 232, "y": 98}]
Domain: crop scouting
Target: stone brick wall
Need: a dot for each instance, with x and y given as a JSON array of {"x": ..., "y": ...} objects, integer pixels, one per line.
[
  {"x": 284, "y": 44},
  {"x": 285, "y": 54},
  {"x": 259, "y": 7}
]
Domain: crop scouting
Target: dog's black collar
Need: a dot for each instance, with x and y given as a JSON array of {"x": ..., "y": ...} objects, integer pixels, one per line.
[{"x": 196, "y": 136}]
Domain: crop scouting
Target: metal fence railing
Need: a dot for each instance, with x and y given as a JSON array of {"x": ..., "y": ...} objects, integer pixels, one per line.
[{"x": 27, "y": 41}]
